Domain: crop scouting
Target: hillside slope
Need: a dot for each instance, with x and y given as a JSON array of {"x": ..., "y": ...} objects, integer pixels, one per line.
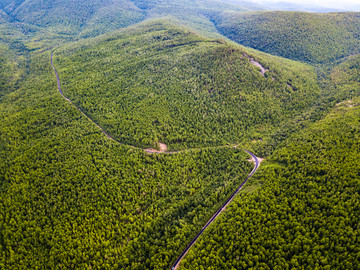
[
  {"x": 345, "y": 79},
  {"x": 307, "y": 37},
  {"x": 161, "y": 83},
  {"x": 72, "y": 198},
  {"x": 348, "y": 72},
  {"x": 306, "y": 215}
]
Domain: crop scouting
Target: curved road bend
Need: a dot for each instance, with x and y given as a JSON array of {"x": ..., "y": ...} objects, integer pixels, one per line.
[
  {"x": 151, "y": 151},
  {"x": 217, "y": 213},
  {"x": 178, "y": 260},
  {"x": 148, "y": 150}
]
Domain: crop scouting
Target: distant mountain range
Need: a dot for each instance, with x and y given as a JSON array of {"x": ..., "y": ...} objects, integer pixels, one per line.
[{"x": 288, "y": 6}]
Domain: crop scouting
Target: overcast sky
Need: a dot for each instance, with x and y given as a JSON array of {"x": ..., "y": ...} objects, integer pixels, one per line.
[{"x": 344, "y": 4}]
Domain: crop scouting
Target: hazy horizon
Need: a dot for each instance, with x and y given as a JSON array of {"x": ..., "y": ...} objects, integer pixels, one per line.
[{"x": 345, "y": 4}]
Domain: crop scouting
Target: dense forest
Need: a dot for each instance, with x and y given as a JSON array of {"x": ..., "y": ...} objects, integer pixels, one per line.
[
  {"x": 307, "y": 37},
  {"x": 160, "y": 83},
  {"x": 151, "y": 72},
  {"x": 82, "y": 18},
  {"x": 71, "y": 198},
  {"x": 306, "y": 215},
  {"x": 74, "y": 17}
]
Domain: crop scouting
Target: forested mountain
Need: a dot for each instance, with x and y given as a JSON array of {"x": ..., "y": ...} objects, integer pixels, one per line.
[
  {"x": 196, "y": 14},
  {"x": 303, "y": 7},
  {"x": 348, "y": 72},
  {"x": 160, "y": 83},
  {"x": 345, "y": 79},
  {"x": 307, "y": 212},
  {"x": 91, "y": 18},
  {"x": 308, "y": 37},
  {"x": 155, "y": 71},
  {"x": 73, "y": 17}
]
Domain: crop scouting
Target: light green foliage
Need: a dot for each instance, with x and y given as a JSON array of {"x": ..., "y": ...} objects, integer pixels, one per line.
[
  {"x": 308, "y": 37},
  {"x": 348, "y": 72},
  {"x": 72, "y": 198},
  {"x": 306, "y": 215},
  {"x": 160, "y": 83}
]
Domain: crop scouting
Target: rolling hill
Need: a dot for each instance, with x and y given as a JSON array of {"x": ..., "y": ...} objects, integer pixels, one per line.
[
  {"x": 161, "y": 83},
  {"x": 63, "y": 181},
  {"x": 307, "y": 37},
  {"x": 74, "y": 17},
  {"x": 305, "y": 212}
]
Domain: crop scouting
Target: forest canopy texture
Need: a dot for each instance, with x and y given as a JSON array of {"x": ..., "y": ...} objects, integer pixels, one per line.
[{"x": 82, "y": 185}]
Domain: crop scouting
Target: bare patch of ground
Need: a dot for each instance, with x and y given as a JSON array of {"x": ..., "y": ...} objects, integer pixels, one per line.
[
  {"x": 262, "y": 69},
  {"x": 252, "y": 160},
  {"x": 162, "y": 147},
  {"x": 347, "y": 103}
]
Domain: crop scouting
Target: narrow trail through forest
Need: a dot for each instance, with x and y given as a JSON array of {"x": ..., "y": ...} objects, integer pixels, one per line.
[
  {"x": 60, "y": 91},
  {"x": 148, "y": 150},
  {"x": 153, "y": 151}
]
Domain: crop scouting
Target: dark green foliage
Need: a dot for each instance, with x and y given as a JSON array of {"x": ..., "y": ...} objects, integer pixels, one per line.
[
  {"x": 82, "y": 18},
  {"x": 159, "y": 83},
  {"x": 13, "y": 57},
  {"x": 345, "y": 79},
  {"x": 69, "y": 17},
  {"x": 308, "y": 37},
  {"x": 193, "y": 13},
  {"x": 340, "y": 86},
  {"x": 306, "y": 216}
]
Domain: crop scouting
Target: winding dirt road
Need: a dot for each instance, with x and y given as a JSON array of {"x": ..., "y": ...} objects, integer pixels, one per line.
[
  {"x": 217, "y": 213},
  {"x": 153, "y": 151},
  {"x": 148, "y": 150},
  {"x": 60, "y": 91}
]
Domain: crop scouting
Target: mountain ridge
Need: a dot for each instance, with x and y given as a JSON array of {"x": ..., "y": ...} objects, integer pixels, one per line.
[{"x": 308, "y": 37}]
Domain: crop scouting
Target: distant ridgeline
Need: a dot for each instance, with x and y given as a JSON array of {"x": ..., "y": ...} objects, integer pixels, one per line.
[
  {"x": 91, "y": 18},
  {"x": 308, "y": 37}
]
